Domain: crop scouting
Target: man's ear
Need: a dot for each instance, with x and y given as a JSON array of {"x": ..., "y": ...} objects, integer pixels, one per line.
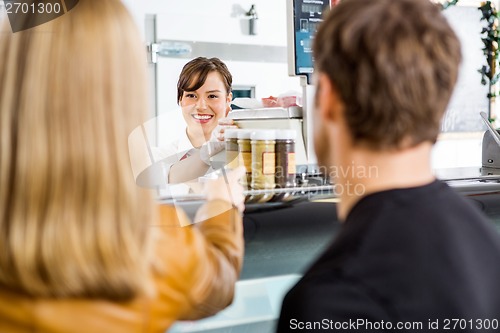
[{"x": 328, "y": 101}]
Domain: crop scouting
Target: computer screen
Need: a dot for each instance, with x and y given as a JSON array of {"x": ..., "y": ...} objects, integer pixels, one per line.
[{"x": 304, "y": 16}]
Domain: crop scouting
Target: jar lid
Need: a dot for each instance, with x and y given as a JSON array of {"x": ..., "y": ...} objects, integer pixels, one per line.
[
  {"x": 263, "y": 135},
  {"x": 231, "y": 133},
  {"x": 286, "y": 134},
  {"x": 244, "y": 134}
]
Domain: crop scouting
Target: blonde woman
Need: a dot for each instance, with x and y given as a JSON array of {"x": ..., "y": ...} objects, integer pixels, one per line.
[{"x": 83, "y": 249}]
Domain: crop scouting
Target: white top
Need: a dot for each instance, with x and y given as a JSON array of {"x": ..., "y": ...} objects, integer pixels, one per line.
[{"x": 175, "y": 149}]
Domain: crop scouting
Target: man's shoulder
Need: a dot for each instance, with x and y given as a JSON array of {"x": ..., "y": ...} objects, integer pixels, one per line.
[
  {"x": 414, "y": 212},
  {"x": 330, "y": 297},
  {"x": 418, "y": 225}
]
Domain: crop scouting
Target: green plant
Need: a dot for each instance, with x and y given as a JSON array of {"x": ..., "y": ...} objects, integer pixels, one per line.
[
  {"x": 490, "y": 35},
  {"x": 446, "y": 4},
  {"x": 491, "y": 38}
]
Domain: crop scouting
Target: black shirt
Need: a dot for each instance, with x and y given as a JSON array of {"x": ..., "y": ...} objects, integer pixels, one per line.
[{"x": 403, "y": 257}]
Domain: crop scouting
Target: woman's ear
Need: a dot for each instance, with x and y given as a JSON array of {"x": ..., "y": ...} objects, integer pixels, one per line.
[{"x": 228, "y": 102}]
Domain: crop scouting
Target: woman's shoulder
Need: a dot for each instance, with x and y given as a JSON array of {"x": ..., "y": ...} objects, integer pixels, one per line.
[{"x": 20, "y": 313}]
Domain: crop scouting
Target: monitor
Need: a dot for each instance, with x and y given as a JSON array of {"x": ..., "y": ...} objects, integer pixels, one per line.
[{"x": 303, "y": 16}]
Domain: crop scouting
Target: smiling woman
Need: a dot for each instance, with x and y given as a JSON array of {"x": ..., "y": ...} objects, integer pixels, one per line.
[{"x": 204, "y": 93}]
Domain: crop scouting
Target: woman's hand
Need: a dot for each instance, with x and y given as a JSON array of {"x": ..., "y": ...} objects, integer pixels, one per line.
[
  {"x": 224, "y": 124},
  {"x": 216, "y": 143},
  {"x": 227, "y": 188}
]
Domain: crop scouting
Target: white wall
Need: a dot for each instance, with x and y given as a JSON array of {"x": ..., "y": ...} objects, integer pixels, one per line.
[
  {"x": 269, "y": 11},
  {"x": 219, "y": 21},
  {"x": 223, "y": 22},
  {"x": 139, "y": 8}
]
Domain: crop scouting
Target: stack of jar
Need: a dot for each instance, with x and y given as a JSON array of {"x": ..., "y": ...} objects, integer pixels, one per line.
[{"x": 268, "y": 156}]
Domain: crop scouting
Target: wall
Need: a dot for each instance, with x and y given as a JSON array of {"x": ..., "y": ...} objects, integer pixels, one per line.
[
  {"x": 220, "y": 21},
  {"x": 270, "y": 12},
  {"x": 222, "y": 24},
  {"x": 265, "y": 8}
]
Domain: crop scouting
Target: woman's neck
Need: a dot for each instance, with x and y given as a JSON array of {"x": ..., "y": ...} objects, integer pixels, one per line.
[{"x": 196, "y": 139}]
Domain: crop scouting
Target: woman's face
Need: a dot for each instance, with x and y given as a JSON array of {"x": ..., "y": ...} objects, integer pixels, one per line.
[{"x": 203, "y": 108}]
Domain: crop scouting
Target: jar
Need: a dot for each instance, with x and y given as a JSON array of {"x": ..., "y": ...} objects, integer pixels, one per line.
[
  {"x": 285, "y": 158},
  {"x": 245, "y": 154},
  {"x": 263, "y": 159},
  {"x": 231, "y": 138}
]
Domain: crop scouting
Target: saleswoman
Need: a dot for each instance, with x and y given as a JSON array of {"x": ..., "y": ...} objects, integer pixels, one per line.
[{"x": 204, "y": 94}]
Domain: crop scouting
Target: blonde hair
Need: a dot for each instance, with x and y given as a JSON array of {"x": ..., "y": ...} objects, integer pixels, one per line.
[{"x": 72, "y": 221}]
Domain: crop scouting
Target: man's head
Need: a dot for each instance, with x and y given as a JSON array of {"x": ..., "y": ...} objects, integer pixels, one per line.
[{"x": 391, "y": 66}]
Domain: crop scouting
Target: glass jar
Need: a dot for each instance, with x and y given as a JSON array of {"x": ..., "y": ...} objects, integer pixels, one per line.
[
  {"x": 231, "y": 138},
  {"x": 263, "y": 159},
  {"x": 285, "y": 158},
  {"x": 245, "y": 154}
]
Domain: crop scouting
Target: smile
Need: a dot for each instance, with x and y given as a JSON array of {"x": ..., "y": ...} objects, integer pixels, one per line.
[{"x": 202, "y": 117}]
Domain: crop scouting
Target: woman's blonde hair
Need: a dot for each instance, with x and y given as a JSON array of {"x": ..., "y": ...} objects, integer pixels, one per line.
[{"x": 72, "y": 221}]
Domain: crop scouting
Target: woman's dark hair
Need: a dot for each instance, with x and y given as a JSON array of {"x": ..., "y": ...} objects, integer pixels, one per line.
[{"x": 195, "y": 72}]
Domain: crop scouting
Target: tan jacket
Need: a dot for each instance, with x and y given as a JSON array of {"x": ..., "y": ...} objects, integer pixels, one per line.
[{"x": 200, "y": 265}]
